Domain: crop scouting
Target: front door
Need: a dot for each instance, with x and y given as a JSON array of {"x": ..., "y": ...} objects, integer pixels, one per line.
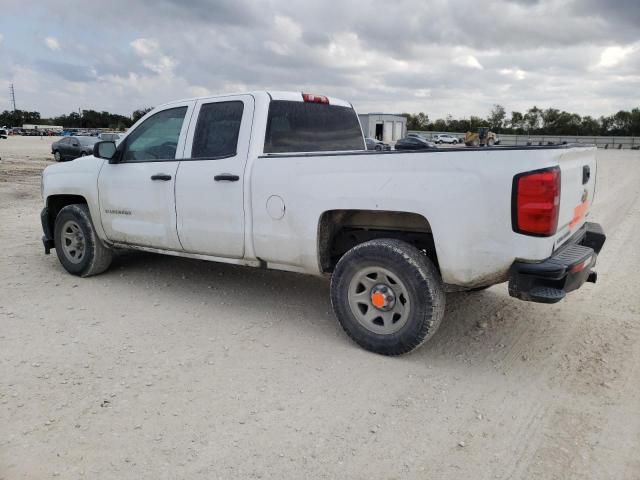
[
  {"x": 210, "y": 180},
  {"x": 136, "y": 194}
]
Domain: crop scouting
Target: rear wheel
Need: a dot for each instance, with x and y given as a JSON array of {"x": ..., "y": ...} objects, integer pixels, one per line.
[
  {"x": 479, "y": 289},
  {"x": 378, "y": 147},
  {"x": 388, "y": 296},
  {"x": 79, "y": 249}
]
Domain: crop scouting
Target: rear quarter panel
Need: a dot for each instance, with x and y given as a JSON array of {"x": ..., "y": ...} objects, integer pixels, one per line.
[{"x": 464, "y": 194}]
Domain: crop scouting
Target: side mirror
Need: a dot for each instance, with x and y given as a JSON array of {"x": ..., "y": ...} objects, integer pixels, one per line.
[{"x": 106, "y": 150}]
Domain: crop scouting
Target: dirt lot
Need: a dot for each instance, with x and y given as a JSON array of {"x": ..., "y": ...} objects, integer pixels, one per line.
[{"x": 172, "y": 368}]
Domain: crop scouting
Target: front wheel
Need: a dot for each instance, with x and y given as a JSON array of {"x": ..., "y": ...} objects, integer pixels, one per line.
[
  {"x": 79, "y": 249},
  {"x": 57, "y": 156},
  {"x": 388, "y": 296}
]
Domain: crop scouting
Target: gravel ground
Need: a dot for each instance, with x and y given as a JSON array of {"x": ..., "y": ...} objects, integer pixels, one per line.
[{"x": 174, "y": 368}]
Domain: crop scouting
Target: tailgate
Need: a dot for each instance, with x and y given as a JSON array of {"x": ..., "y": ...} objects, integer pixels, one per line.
[{"x": 578, "y": 182}]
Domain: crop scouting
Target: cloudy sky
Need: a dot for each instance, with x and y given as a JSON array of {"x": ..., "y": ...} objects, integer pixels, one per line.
[{"x": 437, "y": 56}]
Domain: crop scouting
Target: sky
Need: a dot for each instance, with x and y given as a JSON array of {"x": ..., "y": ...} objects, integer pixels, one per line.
[{"x": 436, "y": 56}]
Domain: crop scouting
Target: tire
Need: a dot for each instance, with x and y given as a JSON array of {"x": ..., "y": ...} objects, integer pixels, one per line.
[
  {"x": 57, "y": 156},
  {"x": 73, "y": 228},
  {"x": 490, "y": 142},
  {"x": 404, "y": 280},
  {"x": 455, "y": 142},
  {"x": 479, "y": 289},
  {"x": 83, "y": 154},
  {"x": 378, "y": 147}
]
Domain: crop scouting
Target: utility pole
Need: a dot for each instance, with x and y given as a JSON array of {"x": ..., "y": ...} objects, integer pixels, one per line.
[{"x": 12, "y": 95}]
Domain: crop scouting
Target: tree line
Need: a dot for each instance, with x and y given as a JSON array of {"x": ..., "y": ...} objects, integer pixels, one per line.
[
  {"x": 534, "y": 121},
  {"x": 84, "y": 119}
]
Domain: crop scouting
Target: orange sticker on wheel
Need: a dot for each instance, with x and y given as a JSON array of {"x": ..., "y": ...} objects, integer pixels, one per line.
[{"x": 378, "y": 300}]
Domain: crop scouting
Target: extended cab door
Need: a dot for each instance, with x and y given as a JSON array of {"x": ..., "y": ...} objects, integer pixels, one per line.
[
  {"x": 210, "y": 181},
  {"x": 136, "y": 194}
]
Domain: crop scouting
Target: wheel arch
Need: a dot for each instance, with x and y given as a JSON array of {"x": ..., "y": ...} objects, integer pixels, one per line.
[
  {"x": 55, "y": 203},
  {"x": 341, "y": 230}
]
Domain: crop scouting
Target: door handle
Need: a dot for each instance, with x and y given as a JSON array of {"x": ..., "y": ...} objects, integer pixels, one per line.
[
  {"x": 161, "y": 176},
  {"x": 226, "y": 177}
]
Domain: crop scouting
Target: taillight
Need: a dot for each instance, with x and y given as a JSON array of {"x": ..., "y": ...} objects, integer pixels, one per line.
[
  {"x": 311, "y": 98},
  {"x": 536, "y": 202}
]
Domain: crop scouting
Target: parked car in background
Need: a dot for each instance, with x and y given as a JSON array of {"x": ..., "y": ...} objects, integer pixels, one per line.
[
  {"x": 3, "y": 133},
  {"x": 414, "y": 143},
  {"x": 445, "y": 138},
  {"x": 111, "y": 137},
  {"x": 375, "y": 144},
  {"x": 68, "y": 148}
]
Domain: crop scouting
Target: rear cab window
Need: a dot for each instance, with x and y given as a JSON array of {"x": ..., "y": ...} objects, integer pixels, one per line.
[
  {"x": 217, "y": 130},
  {"x": 301, "y": 127}
]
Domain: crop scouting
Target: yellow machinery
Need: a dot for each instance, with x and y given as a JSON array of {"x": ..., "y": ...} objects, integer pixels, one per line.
[{"x": 481, "y": 138}]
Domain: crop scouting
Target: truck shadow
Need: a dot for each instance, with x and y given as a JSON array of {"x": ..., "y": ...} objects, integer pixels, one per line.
[{"x": 470, "y": 328}]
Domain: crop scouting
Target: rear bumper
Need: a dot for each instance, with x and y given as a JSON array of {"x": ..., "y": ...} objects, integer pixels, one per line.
[
  {"x": 568, "y": 269},
  {"x": 47, "y": 237}
]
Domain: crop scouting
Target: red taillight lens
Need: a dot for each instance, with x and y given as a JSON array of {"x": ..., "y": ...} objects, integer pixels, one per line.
[
  {"x": 311, "y": 98},
  {"x": 536, "y": 202}
]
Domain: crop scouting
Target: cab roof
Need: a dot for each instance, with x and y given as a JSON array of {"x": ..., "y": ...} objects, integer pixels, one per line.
[{"x": 272, "y": 94}]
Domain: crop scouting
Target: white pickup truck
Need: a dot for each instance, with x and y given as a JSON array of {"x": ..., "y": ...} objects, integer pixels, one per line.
[{"x": 283, "y": 180}]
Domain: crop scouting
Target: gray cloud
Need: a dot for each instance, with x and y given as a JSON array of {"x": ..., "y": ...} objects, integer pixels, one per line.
[{"x": 413, "y": 55}]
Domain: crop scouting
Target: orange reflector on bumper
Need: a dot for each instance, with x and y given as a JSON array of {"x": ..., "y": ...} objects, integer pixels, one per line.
[{"x": 578, "y": 213}]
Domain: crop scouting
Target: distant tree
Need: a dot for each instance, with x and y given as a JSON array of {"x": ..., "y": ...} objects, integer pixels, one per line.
[
  {"x": 589, "y": 126},
  {"x": 516, "y": 122},
  {"x": 621, "y": 122},
  {"x": 549, "y": 118},
  {"x": 497, "y": 117},
  {"x": 440, "y": 125},
  {"x": 634, "y": 128},
  {"x": 606, "y": 125},
  {"x": 532, "y": 119},
  {"x": 138, "y": 114},
  {"x": 18, "y": 118}
]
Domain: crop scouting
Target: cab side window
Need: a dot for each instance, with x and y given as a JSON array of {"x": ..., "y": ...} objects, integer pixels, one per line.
[
  {"x": 156, "y": 138},
  {"x": 217, "y": 130}
]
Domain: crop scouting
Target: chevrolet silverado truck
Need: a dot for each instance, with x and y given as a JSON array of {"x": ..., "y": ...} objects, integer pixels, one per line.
[{"x": 283, "y": 180}]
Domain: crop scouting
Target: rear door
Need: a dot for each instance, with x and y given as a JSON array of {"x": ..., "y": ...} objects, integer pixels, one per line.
[
  {"x": 210, "y": 181},
  {"x": 137, "y": 194},
  {"x": 577, "y": 189}
]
